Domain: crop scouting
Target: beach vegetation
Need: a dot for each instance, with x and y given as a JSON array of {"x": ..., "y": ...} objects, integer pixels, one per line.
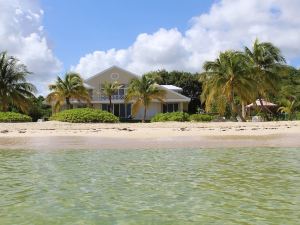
[
  {"x": 227, "y": 78},
  {"x": 70, "y": 87},
  {"x": 15, "y": 90},
  {"x": 172, "y": 116},
  {"x": 13, "y": 117},
  {"x": 265, "y": 61},
  {"x": 142, "y": 91},
  {"x": 85, "y": 115},
  {"x": 110, "y": 89},
  {"x": 201, "y": 118}
]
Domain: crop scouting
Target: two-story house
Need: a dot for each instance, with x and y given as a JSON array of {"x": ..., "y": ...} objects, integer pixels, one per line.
[{"x": 173, "y": 102}]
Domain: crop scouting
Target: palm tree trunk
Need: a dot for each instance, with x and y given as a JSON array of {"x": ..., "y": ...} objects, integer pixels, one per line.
[
  {"x": 68, "y": 103},
  {"x": 4, "y": 107},
  {"x": 235, "y": 110},
  {"x": 110, "y": 104},
  {"x": 264, "y": 108},
  {"x": 145, "y": 113}
]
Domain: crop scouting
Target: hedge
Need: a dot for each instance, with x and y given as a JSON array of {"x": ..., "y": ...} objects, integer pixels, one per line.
[
  {"x": 8, "y": 117},
  {"x": 298, "y": 116},
  {"x": 201, "y": 118},
  {"x": 85, "y": 115},
  {"x": 173, "y": 116}
]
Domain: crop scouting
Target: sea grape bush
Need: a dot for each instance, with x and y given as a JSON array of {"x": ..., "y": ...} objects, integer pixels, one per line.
[{"x": 85, "y": 115}]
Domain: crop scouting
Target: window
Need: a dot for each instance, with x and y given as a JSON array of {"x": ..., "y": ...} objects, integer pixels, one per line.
[
  {"x": 105, "y": 107},
  {"x": 120, "y": 110},
  {"x": 117, "y": 110},
  {"x": 170, "y": 107}
]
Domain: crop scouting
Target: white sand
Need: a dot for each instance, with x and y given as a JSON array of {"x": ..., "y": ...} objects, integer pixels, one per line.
[
  {"x": 148, "y": 130},
  {"x": 138, "y": 135}
]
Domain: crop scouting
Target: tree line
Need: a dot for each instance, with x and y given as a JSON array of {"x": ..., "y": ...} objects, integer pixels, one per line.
[{"x": 225, "y": 86}]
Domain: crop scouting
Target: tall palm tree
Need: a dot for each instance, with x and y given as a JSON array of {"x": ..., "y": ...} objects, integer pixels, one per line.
[
  {"x": 14, "y": 89},
  {"x": 70, "y": 87},
  {"x": 142, "y": 91},
  {"x": 266, "y": 59},
  {"x": 227, "y": 78},
  {"x": 109, "y": 90}
]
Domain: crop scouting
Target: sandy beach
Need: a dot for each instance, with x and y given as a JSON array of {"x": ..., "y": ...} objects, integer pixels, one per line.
[{"x": 58, "y": 135}]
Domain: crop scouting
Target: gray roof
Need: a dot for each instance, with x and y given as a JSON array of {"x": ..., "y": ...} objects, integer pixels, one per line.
[{"x": 172, "y": 87}]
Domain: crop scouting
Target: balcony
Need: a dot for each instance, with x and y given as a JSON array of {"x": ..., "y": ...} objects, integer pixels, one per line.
[{"x": 105, "y": 98}]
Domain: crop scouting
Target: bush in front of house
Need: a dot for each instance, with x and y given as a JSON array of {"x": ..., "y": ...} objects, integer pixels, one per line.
[
  {"x": 201, "y": 118},
  {"x": 13, "y": 117},
  {"x": 173, "y": 116},
  {"x": 298, "y": 116},
  {"x": 85, "y": 115}
]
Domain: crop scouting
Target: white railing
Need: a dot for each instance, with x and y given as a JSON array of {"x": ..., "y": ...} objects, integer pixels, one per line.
[{"x": 105, "y": 98}]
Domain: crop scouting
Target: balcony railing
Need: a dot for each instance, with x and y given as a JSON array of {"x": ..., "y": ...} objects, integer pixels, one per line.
[{"x": 105, "y": 98}]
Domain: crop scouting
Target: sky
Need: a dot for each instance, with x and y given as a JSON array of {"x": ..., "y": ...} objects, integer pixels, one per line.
[{"x": 87, "y": 36}]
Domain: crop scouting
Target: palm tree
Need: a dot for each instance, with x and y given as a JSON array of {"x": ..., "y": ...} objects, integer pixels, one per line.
[
  {"x": 71, "y": 87},
  {"x": 142, "y": 91},
  {"x": 109, "y": 90},
  {"x": 14, "y": 89},
  {"x": 266, "y": 59},
  {"x": 227, "y": 78},
  {"x": 290, "y": 106}
]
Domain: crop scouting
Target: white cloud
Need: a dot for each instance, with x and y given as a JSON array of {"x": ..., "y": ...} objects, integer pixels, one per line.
[
  {"x": 21, "y": 34},
  {"x": 230, "y": 24}
]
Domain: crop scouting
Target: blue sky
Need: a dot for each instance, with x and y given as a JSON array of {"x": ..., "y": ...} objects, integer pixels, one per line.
[
  {"x": 88, "y": 36},
  {"x": 75, "y": 28}
]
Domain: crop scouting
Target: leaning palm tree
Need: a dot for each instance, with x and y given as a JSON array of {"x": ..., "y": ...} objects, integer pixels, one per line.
[
  {"x": 142, "y": 91},
  {"x": 109, "y": 90},
  {"x": 227, "y": 78},
  {"x": 71, "y": 87},
  {"x": 14, "y": 89},
  {"x": 266, "y": 59}
]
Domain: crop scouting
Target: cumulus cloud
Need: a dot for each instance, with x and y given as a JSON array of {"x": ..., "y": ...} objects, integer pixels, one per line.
[
  {"x": 229, "y": 24},
  {"x": 22, "y": 35}
]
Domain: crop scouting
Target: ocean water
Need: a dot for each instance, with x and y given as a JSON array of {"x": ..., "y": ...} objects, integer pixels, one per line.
[{"x": 200, "y": 186}]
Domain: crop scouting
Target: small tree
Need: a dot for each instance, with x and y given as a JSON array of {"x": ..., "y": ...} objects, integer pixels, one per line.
[
  {"x": 109, "y": 90},
  {"x": 142, "y": 91},
  {"x": 71, "y": 87}
]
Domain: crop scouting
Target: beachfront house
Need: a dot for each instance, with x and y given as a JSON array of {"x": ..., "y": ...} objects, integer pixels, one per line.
[{"x": 174, "y": 101}]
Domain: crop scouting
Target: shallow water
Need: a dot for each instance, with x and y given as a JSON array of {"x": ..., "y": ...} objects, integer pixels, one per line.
[{"x": 204, "y": 186}]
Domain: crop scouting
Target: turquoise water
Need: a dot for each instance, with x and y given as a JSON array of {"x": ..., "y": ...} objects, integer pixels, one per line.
[{"x": 213, "y": 186}]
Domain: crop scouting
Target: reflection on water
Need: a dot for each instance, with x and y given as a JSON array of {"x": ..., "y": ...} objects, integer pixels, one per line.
[{"x": 228, "y": 186}]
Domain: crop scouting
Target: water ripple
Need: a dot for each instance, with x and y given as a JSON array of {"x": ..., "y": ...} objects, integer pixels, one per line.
[{"x": 215, "y": 186}]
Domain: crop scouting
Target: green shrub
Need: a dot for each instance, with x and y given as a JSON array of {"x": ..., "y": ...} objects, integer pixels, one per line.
[
  {"x": 201, "y": 118},
  {"x": 85, "y": 115},
  {"x": 7, "y": 117},
  {"x": 174, "y": 116},
  {"x": 298, "y": 116}
]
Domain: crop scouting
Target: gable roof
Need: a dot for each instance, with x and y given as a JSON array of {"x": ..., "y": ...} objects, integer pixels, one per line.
[
  {"x": 110, "y": 68},
  {"x": 187, "y": 99}
]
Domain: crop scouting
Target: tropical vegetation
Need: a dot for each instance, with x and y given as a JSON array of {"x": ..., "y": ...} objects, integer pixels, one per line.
[
  {"x": 172, "y": 116},
  {"x": 85, "y": 115},
  {"x": 237, "y": 78},
  {"x": 110, "y": 89},
  {"x": 15, "y": 90},
  {"x": 67, "y": 88},
  {"x": 201, "y": 118},
  {"x": 13, "y": 117},
  {"x": 142, "y": 91}
]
